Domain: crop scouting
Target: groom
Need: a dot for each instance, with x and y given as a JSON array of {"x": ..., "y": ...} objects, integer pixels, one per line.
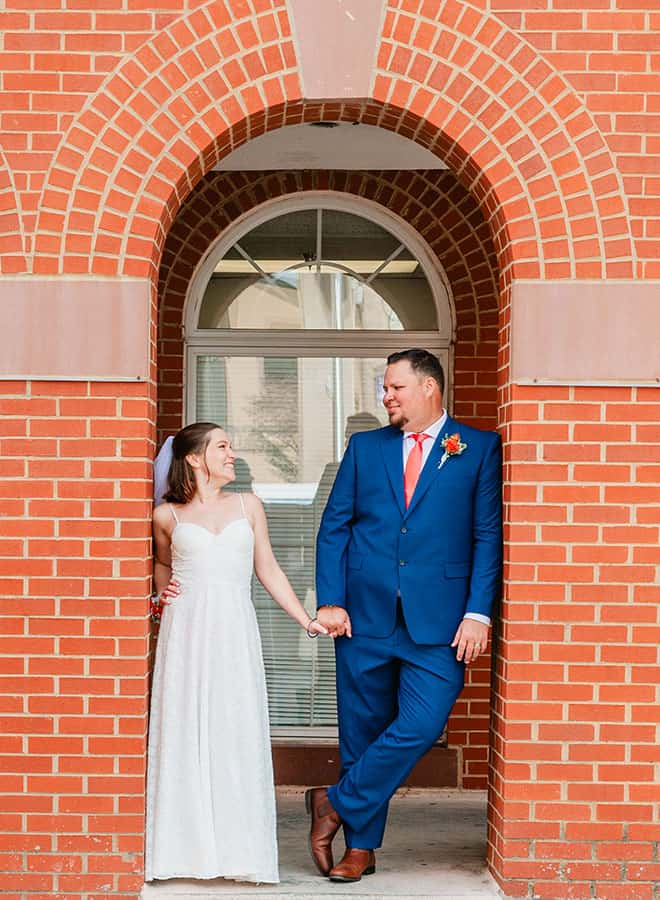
[{"x": 408, "y": 567}]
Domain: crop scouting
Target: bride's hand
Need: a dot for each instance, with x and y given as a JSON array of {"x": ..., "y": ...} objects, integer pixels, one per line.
[
  {"x": 171, "y": 592},
  {"x": 315, "y": 628}
]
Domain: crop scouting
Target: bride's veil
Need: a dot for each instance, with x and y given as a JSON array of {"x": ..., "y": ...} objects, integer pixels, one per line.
[{"x": 162, "y": 465}]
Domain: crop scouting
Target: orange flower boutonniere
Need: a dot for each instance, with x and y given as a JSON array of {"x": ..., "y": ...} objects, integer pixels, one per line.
[{"x": 452, "y": 446}]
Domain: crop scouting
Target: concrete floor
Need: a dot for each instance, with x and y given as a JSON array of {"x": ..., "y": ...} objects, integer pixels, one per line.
[{"x": 435, "y": 847}]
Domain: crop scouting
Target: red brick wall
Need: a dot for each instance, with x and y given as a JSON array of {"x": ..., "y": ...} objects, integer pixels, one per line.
[
  {"x": 549, "y": 115},
  {"x": 472, "y": 86},
  {"x": 75, "y": 483},
  {"x": 610, "y": 54},
  {"x": 574, "y": 791}
]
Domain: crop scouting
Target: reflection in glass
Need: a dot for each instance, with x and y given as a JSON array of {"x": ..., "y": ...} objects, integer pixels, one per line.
[
  {"x": 289, "y": 419},
  {"x": 298, "y": 299},
  {"x": 319, "y": 268}
]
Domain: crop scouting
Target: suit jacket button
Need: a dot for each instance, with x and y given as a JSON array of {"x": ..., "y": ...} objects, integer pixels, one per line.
[
  {"x": 402, "y": 562},
  {"x": 404, "y": 530}
]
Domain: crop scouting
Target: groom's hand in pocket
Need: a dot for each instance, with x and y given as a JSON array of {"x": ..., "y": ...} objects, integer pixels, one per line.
[{"x": 336, "y": 620}]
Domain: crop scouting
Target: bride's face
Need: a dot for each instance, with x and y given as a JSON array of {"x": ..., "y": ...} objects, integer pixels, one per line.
[{"x": 219, "y": 457}]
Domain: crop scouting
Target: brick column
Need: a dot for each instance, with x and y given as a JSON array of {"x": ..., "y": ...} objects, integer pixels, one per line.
[
  {"x": 573, "y": 788},
  {"x": 76, "y": 559}
]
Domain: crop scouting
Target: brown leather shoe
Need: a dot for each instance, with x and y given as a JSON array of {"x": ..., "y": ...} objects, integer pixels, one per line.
[
  {"x": 325, "y": 825},
  {"x": 354, "y": 865}
]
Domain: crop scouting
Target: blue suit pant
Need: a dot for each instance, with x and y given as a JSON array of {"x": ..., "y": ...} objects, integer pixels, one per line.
[{"x": 393, "y": 699}]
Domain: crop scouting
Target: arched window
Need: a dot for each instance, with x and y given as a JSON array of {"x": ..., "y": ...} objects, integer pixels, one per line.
[
  {"x": 319, "y": 269},
  {"x": 288, "y": 323}
]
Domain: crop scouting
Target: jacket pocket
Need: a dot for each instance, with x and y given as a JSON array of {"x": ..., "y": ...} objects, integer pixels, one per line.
[{"x": 457, "y": 570}]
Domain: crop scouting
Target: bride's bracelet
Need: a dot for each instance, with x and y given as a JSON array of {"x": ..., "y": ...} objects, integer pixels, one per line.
[
  {"x": 155, "y": 608},
  {"x": 311, "y": 634}
]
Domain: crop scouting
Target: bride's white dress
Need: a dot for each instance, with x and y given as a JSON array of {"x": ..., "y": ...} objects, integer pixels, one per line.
[{"x": 210, "y": 793}]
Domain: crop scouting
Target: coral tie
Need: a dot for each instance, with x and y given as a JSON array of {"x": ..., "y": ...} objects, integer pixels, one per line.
[{"x": 413, "y": 467}]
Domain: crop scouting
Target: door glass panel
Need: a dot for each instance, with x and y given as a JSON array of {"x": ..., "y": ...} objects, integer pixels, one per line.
[{"x": 289, "y": 419}]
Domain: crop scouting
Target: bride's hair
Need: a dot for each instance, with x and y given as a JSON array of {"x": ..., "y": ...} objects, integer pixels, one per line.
[{"x": 195, "y": 438}]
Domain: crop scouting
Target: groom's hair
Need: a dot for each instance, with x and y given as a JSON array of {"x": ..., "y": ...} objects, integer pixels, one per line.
[{"x": 422, "y": 363}]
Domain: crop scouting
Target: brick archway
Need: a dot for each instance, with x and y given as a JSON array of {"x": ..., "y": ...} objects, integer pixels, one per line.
[
  {"x": 110, "y": 119},
  {"x": 514, "y": 131},
  {"x": 445, "y": 215},
  {"x": 451, "y": 78},
  {"x": 534, "y": 158},
  {"x": 12, "y": 235}
]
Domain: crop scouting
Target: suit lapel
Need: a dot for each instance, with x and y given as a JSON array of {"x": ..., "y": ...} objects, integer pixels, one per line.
[
  {"x": 430, "y": 470},
  {"x": 393, "y": 457}
]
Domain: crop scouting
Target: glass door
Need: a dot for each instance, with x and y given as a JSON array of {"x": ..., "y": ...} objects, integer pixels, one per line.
[
  {"x": 290, "y": 418},
  {"x": 288, "y": 327}
]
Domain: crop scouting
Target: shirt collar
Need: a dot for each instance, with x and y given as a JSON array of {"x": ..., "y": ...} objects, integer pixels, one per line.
[{"x": 434, "y": 429}]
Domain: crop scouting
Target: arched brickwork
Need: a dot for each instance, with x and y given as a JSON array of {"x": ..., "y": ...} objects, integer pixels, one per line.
[
  {"x": 483, "y": 99},
  {"x": 448, "y": 218},
  {"x": 205, "y": 83},
  {"x": 433, "y": 202},
  {"x": 572, "y": 765},
  {"x": 12, "y": 238},
  {"x": 514, "y": 131}
]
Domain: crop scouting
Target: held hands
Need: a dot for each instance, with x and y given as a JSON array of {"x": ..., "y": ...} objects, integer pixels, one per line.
[
  {"x": 335, "y": 620},
  {"x": 471, "y": 639},
  {"x": 314, "y": 628}
]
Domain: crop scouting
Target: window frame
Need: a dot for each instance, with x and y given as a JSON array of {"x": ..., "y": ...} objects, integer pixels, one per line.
[
  {"x": 319, "y": 343},
  {"x": 367, "y": 209},
  {"x": 261, "y": 344}
]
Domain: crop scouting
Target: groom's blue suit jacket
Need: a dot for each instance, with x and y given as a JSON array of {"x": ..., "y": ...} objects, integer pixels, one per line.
[{"x": 442, "y": 555}]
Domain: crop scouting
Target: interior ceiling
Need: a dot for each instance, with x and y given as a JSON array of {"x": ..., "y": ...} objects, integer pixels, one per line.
[{"x": 345, "y": 146}]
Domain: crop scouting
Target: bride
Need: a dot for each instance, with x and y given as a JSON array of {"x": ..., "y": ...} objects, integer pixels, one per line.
[{"x": 210, "y": 793}]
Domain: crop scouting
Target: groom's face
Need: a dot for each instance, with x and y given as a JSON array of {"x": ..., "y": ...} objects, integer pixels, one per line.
[{"x": 407, "y": 397}]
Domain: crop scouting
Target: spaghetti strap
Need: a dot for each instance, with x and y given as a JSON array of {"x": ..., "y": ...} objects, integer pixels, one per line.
[
  {"x": 173, "y": 511},
  {"x": 240, "y": 497}
]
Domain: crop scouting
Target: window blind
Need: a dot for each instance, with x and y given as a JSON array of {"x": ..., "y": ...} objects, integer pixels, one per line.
[{"x": 287, "y": 420}]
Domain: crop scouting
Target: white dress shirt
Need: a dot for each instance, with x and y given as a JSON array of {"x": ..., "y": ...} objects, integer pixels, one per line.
[
  {"x": 433, "y": 431},
  {"x": 408, "y": 443}
]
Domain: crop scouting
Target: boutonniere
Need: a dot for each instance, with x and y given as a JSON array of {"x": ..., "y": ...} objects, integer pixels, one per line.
[{"x": 452, "y": 446}]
